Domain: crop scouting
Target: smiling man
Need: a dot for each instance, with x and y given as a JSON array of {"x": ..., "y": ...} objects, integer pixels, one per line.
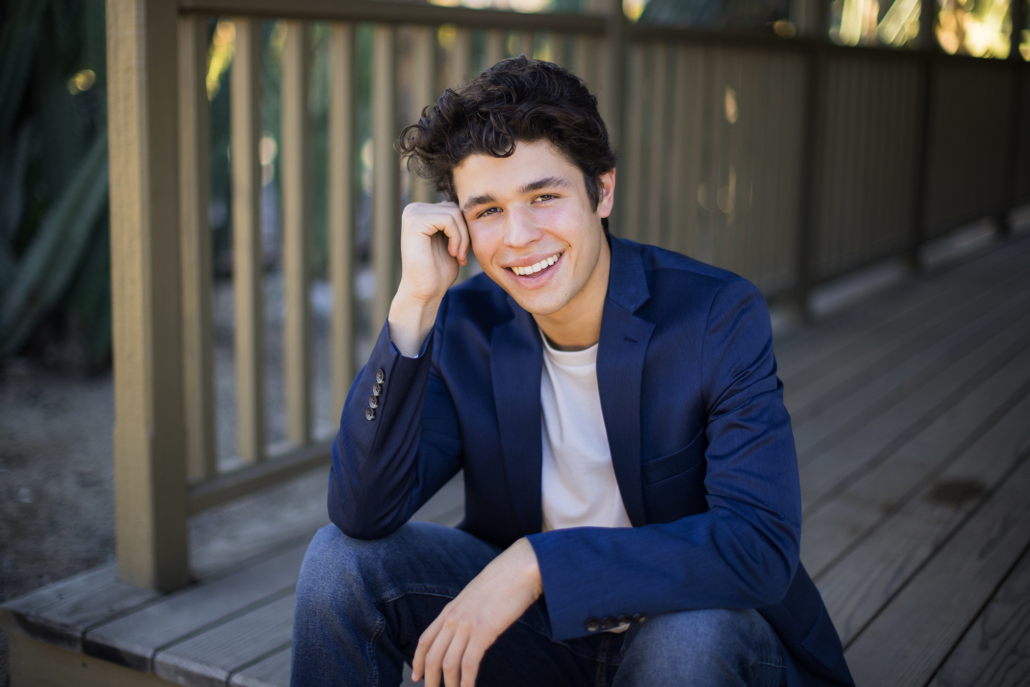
[{"x": 632, "y": 511}]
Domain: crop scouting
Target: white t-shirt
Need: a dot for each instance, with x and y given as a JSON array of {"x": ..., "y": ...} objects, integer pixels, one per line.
[{"x": 578, "y": 481}]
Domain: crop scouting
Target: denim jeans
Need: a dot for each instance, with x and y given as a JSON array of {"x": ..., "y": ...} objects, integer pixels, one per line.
[{"x": 361, "y": 606}]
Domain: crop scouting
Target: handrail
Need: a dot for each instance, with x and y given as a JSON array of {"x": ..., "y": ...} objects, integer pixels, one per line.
[{"x": 397, "y": 13}]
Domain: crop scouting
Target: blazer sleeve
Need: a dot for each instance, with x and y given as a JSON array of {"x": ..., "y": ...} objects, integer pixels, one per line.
[
  {"x": 742, "y": 552},
  {"x": 388, "y": 461}
]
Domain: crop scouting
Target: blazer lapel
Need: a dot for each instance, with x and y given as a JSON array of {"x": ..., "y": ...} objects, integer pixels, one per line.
[
  {"x": 516, "y": 363},
  {"x": 620, "y": 365}
]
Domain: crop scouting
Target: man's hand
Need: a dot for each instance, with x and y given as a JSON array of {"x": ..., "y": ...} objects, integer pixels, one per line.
[
  {"x": 434, "y": 240},
  {"x": 455, "y": 642}
]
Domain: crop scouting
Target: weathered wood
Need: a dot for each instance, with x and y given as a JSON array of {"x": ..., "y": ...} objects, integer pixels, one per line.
[
  {"x": 60, "y": 613},
  {"x": 888, "y": 552},
  {"x": 247, "y": 251},
  {"x": 194, "y": 198},
  {"x": 210, "y": 658},
  {"x": 273, "y": 671},
  {"x": 247, "y": 480},
  {"x": 424, "y": 94},
  {"x": 297, "y": 234},
  {"x": 914, "y": 633},
  {"x": 39, "y": 664},
  {"x": 133, "y": 640},
  {"x": 385, "y": 213},
  {"x": 993, "y": 651},
  {"x": 150, "y": 423},
  {"x": 341, "y": 208},
  {"x": 940, "y": 415}
]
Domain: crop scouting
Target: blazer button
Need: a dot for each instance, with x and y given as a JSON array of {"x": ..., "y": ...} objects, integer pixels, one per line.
[
  {"x": 639, "y": 617},
  {"x": 623, "y": 620},
  {"x": 592, "y": 624},
  {"x": 373, "y": 402},
  {"x": 608, "y": 623},
  {"x": 380, "y": 376},
  {"x": 370, "y": 414},
  {"x": 377, "y": 389}
]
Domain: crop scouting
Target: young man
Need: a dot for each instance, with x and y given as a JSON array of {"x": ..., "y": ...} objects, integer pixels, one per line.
[{"x": 632, "y": 509}]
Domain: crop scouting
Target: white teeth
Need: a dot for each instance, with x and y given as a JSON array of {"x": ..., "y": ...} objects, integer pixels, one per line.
[{"x": 533, "y": 269}]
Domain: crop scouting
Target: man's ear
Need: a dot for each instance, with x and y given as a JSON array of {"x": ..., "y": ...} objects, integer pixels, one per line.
[{"x": 607, "y": 193}]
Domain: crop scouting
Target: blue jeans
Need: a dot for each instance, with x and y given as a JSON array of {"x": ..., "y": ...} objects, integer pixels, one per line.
[{"x": 361, "y": 606}]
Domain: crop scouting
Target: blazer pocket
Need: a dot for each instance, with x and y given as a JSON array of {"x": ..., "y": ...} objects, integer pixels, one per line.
[{"x": 687, "y": 458}]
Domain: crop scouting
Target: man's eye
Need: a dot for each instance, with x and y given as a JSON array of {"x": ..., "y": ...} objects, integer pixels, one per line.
[
  {"x": 488, "y": 211},
  {"x": 545, "y": 196}
]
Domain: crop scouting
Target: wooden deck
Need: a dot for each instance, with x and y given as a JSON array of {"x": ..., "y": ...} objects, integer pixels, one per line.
[{"x": 911, "y": 415}]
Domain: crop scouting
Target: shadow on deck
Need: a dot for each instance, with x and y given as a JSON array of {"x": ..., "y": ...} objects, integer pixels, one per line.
[{"x": 911, "y": 415}]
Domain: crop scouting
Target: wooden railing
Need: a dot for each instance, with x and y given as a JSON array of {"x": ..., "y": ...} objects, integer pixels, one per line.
[{"x": 788, "y": 161}]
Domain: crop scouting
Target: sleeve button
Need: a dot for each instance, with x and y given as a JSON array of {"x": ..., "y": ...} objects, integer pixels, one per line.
[
  {"x": 592, "y": 625},
  {"x": 377, "y": 389},
  {"x": 608, "y": 623},
  {"x": 639, "y": 617},
  {"x": 370, "y": 414},
  {"x": 623, "y": 620},
  {"x": 380, "y": 376},
  {"x": 373, "y": 402}
]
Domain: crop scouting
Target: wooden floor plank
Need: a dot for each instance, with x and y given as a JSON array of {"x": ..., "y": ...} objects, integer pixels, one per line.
[
  {"x": 831, "y": 529},
  {"x": 883, "y": 354},
  {"x": 918, "y": 628},
  {"x": 62, "y": 612},
  {"x": 210, "y": 658},
  {"x": 993, "y": 653},
  {"x": 272, "y": 671},
  {"x": 893, "y": 547},
  {"x": 881, "y": 394},
  {"x": 134, "y": 639},
  {"x": 828, "y": 337},
  {"x": 831, "y": 471}
]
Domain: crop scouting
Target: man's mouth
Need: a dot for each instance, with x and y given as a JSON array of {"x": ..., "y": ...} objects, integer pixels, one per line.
[{"x": 537, "y": 268}]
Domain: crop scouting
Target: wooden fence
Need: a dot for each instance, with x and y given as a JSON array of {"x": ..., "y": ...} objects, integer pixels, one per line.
[{"x": 790, "y": 161}]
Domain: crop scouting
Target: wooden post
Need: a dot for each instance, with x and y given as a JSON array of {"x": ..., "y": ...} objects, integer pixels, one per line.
[
  {"x": 425, "y": 94},
  {"x": 194, "y": 194},
  {"x": 150, "y": 424},
  {"x": 296, "y": 187},
  {"x": 248, "y": 255},
  {"x": 385, "y": 209},
  {"x": 611, "y": 90},
  {"x": 527, "y": 43},
  {"x": 461, "y": 58},
  {"x": 1017, "y": 66},
  {"x": 494, "y": 51},
  {"x": 341, "y": 207}
]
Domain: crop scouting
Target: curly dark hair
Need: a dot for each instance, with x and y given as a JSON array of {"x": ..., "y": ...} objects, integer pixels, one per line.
[{"x": 517, "y": 99}]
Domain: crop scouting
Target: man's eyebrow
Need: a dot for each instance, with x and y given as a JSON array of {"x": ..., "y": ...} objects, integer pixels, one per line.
[{"x": 548, "y": 182}]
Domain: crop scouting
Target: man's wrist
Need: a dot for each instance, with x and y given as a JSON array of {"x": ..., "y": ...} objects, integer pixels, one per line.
[{"x": 411, "y": 320}]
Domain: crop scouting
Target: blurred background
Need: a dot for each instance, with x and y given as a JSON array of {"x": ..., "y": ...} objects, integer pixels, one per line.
[{"x": 744, "y": 146}]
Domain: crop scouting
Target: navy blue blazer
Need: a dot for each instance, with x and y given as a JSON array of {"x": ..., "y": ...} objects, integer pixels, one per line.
[{"x": 700, "y": 441}]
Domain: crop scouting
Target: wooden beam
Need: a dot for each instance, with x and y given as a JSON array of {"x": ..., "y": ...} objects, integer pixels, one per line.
[
  {"x": 247, "y": 249},
  {"x": 385, "y": 205},
  {"x": 425, "y": 93},
  {"x": 194, "y": 197},
  {"x": 296, "y": 187},
  {"x": 150, "y": 423},
  {"x": 341, "y": 207}
]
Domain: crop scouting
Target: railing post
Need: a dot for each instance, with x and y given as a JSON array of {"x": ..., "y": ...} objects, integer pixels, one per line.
[
  {"x": 149, "y": 432},
  {"x": 194, "y": 192},
  {"x": 296, "y": 188},
  {"x": 924, "y": 118},
  {"x": 386, "y": 229},
  {"x": 611, "y": 91},
  {"x": 1017, "y": 66}
]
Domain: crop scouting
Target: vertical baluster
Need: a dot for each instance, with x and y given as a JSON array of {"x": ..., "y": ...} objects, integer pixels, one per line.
[
  {"x": 527, "y": 41},
  {"x": 296, "y": 187},
  {"x": 652, "y": 229},
  {"x": 247, "y": 249},
  {"x": 494, "y": 51},
  {"x": 425, "y": 93},
  {"x": 341, "y": 207},
  {"x": 149, "y": 428},
  {"x": 558, "y": 50},
  {"x": 584, "y": 57},
  {"x": 386, "y": 222},
  {"x": 194, "y": 196},
  {"x": 629, "y": 214},
  {"x": 460, "y": 58}
]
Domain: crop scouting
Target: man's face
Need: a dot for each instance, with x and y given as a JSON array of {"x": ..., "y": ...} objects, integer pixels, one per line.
[{"x": 533, "y": 227}]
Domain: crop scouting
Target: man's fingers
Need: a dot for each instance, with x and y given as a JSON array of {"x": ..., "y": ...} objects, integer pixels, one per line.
[
  {"x": 473, "y": 656},
  {"x": 435, "y": 655},
  {"x": 418, "y": 664},
  {"x": 452, "y": 660}
]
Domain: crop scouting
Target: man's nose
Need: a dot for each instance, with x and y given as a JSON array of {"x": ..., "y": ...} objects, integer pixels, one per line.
[{"x": 520, "y": 229}]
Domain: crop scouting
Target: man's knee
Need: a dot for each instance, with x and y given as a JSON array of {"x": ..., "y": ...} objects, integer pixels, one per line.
[
  {"x": 337, "y": 569},
  {"x": 718, "y": 646}
]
